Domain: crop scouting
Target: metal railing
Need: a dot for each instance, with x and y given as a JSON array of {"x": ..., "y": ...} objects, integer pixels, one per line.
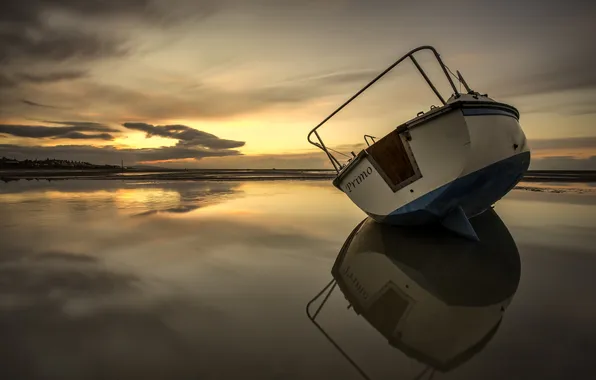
[
  {"x": 329, "y": 288},
  {"x": 336, "y": 164},
  {"x": 372, "y": 138},
  {"x": 327, "y": 291}
]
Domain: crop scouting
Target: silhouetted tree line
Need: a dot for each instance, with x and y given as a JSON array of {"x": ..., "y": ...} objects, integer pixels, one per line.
[{"x": 49, "y": 163}]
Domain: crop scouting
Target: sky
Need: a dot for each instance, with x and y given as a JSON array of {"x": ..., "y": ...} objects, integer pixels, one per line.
[{"x": 239, "y": 83}]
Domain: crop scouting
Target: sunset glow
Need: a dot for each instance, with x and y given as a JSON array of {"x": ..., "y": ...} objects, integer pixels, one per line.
[{"x": 251, "y": 78}]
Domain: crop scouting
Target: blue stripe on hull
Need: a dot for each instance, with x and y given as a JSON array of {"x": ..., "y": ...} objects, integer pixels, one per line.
[{"x": 475, "y": 193}]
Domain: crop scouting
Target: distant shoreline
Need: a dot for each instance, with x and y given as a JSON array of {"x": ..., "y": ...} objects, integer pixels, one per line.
[
  {"x": 169, "y": 175},
  {"x": 242, "y": 175},
  {"x": 560, "y": 176}
]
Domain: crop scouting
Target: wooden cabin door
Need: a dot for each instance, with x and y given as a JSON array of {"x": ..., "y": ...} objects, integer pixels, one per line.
[{"x": 391, "y": 156}]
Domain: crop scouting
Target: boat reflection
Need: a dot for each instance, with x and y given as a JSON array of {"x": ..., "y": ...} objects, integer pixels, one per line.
[{"x": 436, "y": 297}]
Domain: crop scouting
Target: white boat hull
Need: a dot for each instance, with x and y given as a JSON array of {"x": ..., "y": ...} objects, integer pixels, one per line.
[{"x": 466, "y": 159}]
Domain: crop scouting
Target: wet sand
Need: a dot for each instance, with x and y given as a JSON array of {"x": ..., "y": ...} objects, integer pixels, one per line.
[
  {"x": 169, "y": 175},
  {"x": 244, "y": 175},
  {"x": 208, "y": 280}
]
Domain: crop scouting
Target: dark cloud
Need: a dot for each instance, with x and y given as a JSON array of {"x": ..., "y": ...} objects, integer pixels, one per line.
[
  {"x": 25, "y": 34},
  {"x": 83, "y": 136},
  {"x": 73, "y": 131},
  {"x": 186, "y": 136},
  {"x": 556, "y": 74},
  {"x": 35, "y": 104},
  {"x": 52, "y": 77},
  {"x": 534, "y": 44},
  {"x": 56, "y": 46},
  {"x": 109, "y": 154},
  {"x": 562, "y": 153},
  {"x": 563, "y": 163},
  {"x": 200, "y": 101},
  {"x": 192, "y": 143},
  {"x": 65, "y": 257},
  {"x": 564, "y": 143},
  {"x": 45, "y": 41},
  {"x": 6, "y": 81},
  {"x": 28, "y": 10},
  {"x": 572, "y": 106}
]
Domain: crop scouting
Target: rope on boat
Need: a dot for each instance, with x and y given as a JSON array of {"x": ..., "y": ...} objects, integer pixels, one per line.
[
  {"x": 455, "y": 76},
  {"x": 343, "y": 154}
]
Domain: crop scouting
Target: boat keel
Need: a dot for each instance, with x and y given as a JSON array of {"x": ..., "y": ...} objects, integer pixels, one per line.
[{"x": 457, "y": 222}]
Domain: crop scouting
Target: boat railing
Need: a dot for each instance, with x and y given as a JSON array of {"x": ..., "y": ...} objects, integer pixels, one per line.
[
  {"x": 327, "y": 291},
  {"x": 321, "y": 145},
  {"x": 372, "y": 138}
]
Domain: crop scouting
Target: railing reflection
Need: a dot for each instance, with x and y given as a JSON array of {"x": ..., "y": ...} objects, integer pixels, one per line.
[{"x": 437, "y": 298}]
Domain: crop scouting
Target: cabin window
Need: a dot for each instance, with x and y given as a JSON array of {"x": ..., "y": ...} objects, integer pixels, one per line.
[
  {"x": 393, "y": 159},
  {"x": 385, "y": 313}
]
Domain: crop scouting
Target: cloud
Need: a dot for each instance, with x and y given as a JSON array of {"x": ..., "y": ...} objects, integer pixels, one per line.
[
  {"x": 65, "y": 257},
  {"x": 555, "y": 73},
  {"x": 69, "y": 132},
  {"x": 583, "y": 103},
  {"x": 203, "y": 101},
  {"x": 564, "y": 143},
  {"x": 26, "y": 35},
  {"x": 110, "y": 154},
  {"x": 192, "y": 144},
  {"x": 17, "y": 80},
  {"x": 576, "y": 147},
  {"x": 83, "y": 136},
  {"x": 337, "y": 78},
  {"x": 82, "y": 124},
  {"x": 572, "y": 153},
  {"x": 35, "y": 104},
  {"x": 299, "y": 160},
  {"x": 6, "y": 82},
  {"x": 563, "y": 163},
  {"x": 55, "y": 46},
  {"x": 186, "y": 136},
  {"x": 51, "y": 77},
  {"x": 28, "y": 40}
]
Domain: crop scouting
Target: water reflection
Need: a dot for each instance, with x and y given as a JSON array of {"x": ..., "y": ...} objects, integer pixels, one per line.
[
  {"x": 437, "y": 298},
  {"x": 87, "y": 291},
  {"x": 132, "y": 197}
]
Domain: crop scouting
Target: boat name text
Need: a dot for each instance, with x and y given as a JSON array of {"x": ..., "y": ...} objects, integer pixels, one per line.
[
  {"x": 357, "y": 285},
  {"x": 358, "y": 180}
]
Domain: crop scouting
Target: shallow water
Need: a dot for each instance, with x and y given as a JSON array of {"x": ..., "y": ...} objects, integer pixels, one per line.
[{"x": 208, "y": 280}]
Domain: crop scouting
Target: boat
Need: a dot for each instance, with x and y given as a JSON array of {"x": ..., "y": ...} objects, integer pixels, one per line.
[
  {"x": 438, "y": 299},
  {"x": 445, "y": 165}
]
